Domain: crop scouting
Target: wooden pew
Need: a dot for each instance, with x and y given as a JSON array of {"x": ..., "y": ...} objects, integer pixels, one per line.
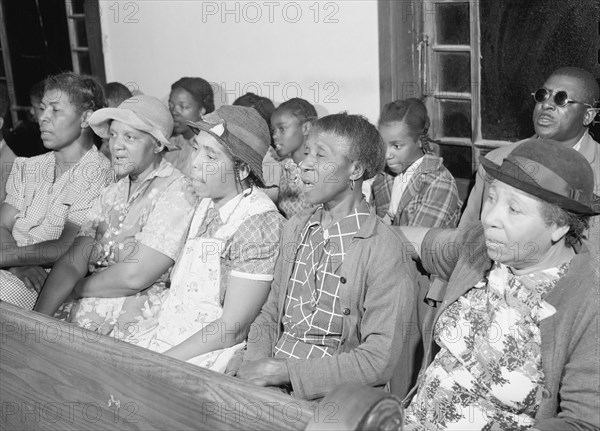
[{"x": 55, "y": 375}]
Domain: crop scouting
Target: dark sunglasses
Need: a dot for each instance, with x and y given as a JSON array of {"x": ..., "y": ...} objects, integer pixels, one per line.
[{"x": 561, "y": 98}]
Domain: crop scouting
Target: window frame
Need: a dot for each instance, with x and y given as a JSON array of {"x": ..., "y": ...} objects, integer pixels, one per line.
[{"x": 406, "y": 56}]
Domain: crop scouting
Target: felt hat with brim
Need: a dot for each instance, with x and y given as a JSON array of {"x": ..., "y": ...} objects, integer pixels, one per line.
[
  {"x": 548, "y": 170},
  {"x": 145, "y": 113},
  {"x": 242, "y": 131}
]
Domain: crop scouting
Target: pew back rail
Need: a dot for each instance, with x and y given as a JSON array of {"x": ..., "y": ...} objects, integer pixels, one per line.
[{"x": 55, "y": 375}]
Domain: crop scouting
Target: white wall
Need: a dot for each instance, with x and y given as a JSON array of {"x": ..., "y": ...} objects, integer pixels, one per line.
[{"x": 325, "y": 52}]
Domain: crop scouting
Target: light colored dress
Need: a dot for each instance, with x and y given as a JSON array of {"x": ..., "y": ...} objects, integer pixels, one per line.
[
  {"x": 488, "y": 373},
  {"x": 46, "y": 203},
  {"x": 156, "y": 215},
  {"x": 241, "y": 239}
]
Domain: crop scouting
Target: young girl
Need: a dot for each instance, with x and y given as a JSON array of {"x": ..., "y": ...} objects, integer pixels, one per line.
[
  {"x": 291, "y": 123},
  {"x": 189, "y": 100},
  {"x": 224, "y": 274},
  {"x": 416, "y": 189}
]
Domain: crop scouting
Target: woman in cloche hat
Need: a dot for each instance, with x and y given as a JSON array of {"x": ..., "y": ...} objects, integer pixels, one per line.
[
  {"x": 224, "y": 274},
  {"x": 515, "y": 342}
]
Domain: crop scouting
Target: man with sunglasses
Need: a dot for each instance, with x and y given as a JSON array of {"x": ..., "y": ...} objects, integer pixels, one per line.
[{"x": 564, "y": 109}]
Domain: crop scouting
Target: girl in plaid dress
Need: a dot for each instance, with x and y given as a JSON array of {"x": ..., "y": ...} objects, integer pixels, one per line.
[{"x": 415, "y": 189}]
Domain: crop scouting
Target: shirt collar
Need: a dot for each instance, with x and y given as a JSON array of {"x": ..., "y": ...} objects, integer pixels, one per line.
[
  {"x": 226, "y": 210},
  {"x": 413, "y": 168},
  {"x": 315, "y": 218},
  {"x": 164, "y": 170}
]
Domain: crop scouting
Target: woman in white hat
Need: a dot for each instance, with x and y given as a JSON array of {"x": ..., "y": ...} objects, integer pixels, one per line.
[{"x": 133, "y": 234}]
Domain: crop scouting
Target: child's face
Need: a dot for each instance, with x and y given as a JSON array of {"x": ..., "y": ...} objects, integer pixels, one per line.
[
  {"x": 288, "y": 133},
  {"x": 402, "y": 149},
  {"x": 60, "y": 121},
  {"x": 213, "y": 175},
  {"x": 132, "y": 151},
  {"x": 326, "y": 169},
  {"x": 183, "y": 108}
]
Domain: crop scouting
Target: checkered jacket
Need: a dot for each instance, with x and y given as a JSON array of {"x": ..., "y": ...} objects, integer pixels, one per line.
[
  {"x": 430, "y": 199},
  {"x": 376, "y": 302}
]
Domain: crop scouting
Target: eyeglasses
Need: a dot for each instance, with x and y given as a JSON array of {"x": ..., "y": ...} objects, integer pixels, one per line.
[{"x": 561, "y": 98}]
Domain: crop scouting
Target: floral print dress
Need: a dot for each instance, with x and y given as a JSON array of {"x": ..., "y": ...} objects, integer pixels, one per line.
[
  {"x": 157, "y": 215},
  {"x": 488, "y": 374},
  {"x": 291, "y": 193}
]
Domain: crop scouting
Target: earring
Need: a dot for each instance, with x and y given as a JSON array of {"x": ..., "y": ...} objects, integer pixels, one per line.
[{"x": 351, "y": 182}]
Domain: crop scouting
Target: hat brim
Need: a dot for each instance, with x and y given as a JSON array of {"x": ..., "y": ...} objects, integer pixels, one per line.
[
  {"x": 101, "y": 119},
  {"x": 235, "y": 146},
  {"x": 521, "y": 180}
]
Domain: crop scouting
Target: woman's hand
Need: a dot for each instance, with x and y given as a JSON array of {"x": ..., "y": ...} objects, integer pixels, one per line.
[
  {"x": 33, "y": 277},
  {"x": 265, "y": 372}
]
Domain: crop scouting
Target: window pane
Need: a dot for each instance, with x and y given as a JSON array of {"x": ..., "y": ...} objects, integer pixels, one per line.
[
  {"x": 458, "y": 159},
  {"x": 454, "y": 71},
  {"x": 456, "y": 118},
  {"x": 80, "y": 33},
  {"x": 453, "y": 23},
  {"x": 84, "y": 63},
  {"x": 77, "y": 6}
]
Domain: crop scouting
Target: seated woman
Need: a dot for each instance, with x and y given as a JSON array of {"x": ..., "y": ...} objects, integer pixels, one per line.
[
  {"x": 224, "y": 274},
  {"x": 416, "y": 189},
  {"x": 516, "y": 335},
  {"x": 134, "y": 232},
  {"x": 190, "y": 99},
  {"x": 48, "y": 196},
  {"x": 342, "y": 296}
]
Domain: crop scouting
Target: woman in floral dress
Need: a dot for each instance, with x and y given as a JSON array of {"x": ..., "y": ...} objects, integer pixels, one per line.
[
  {"x": 133, "y": 233},
  {"x": 515, "y": 341}
]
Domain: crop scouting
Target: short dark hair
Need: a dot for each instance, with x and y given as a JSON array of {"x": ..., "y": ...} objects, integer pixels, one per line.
[
  {"x": 116, "y": 92},
  {"x": 299, "y": 108},
  {"x": 589, "y": 85},
  {"x": 37, "y": 90},
  {"x": 85, "y": 91},
  {"x": 578, "y": 223},
  {"x": 200, "y": 90},
  {"x": 364, "y": 143}
]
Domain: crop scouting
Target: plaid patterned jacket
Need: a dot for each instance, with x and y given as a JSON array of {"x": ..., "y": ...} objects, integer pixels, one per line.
[{"x": 430, "y": 199}]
